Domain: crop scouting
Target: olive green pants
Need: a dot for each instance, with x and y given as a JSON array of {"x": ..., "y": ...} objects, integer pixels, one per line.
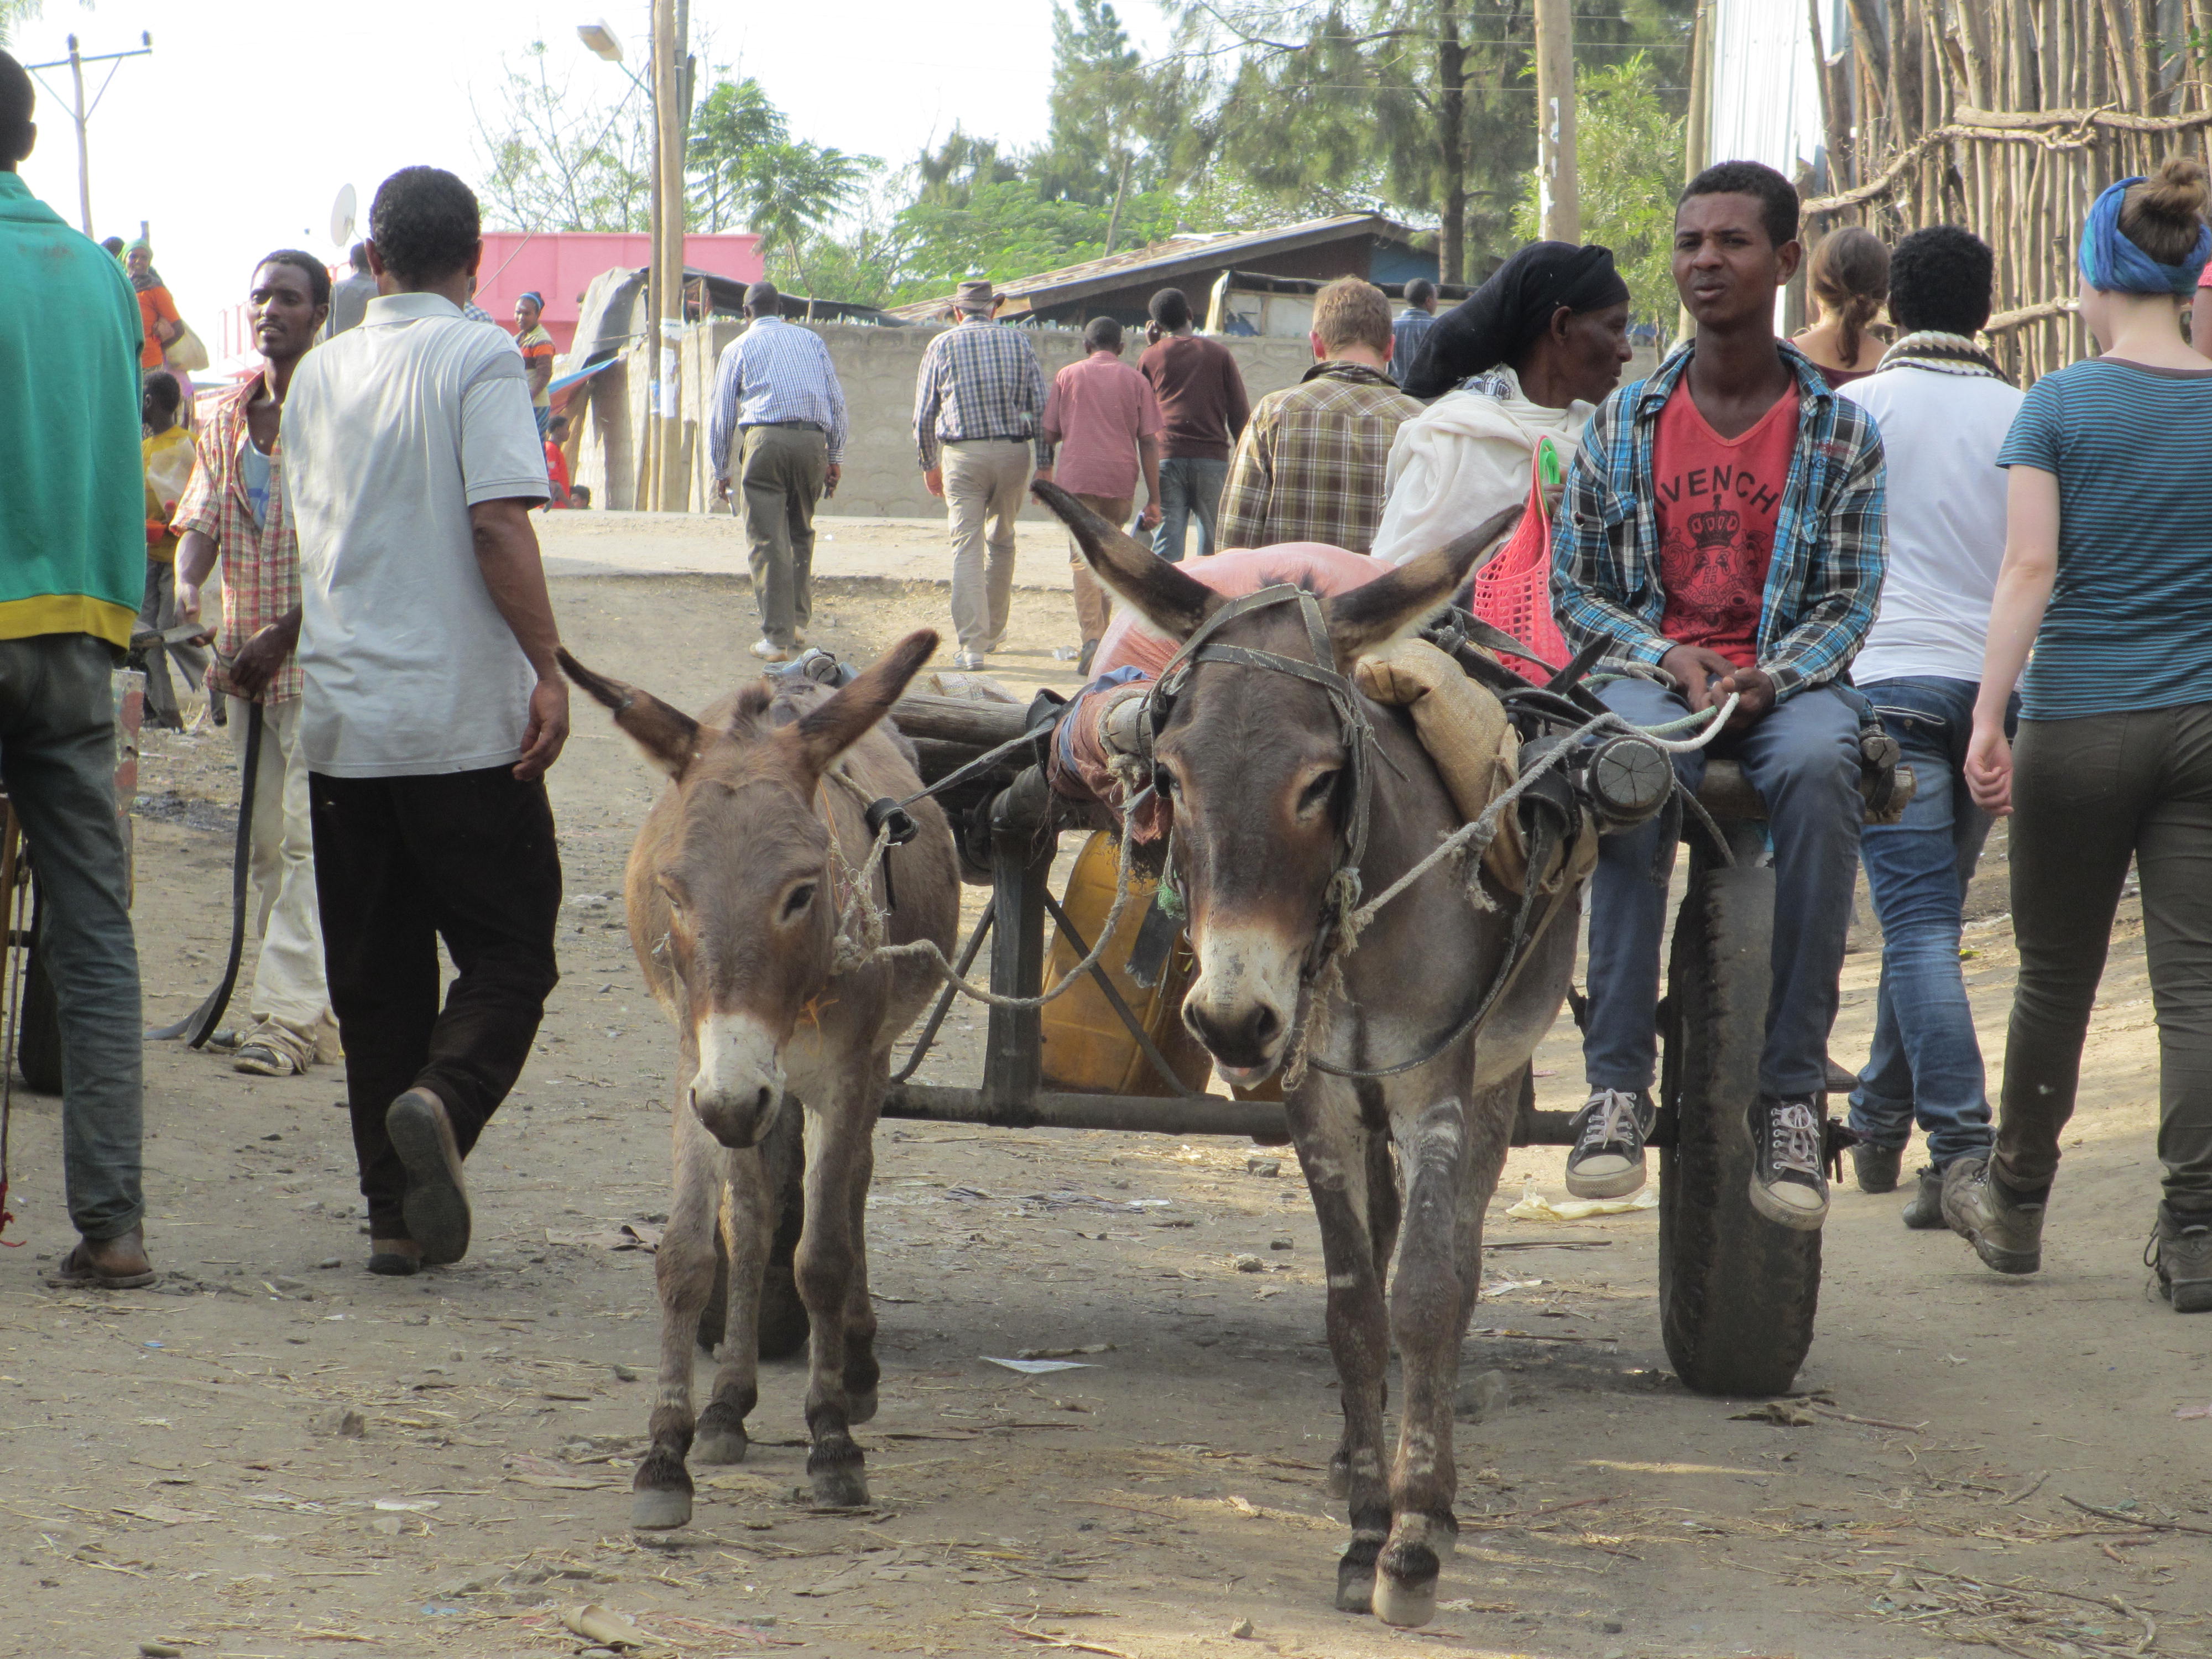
[{"x": 2089, "y": 795}]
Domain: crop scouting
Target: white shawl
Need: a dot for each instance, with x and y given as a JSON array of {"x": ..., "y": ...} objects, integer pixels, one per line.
[{"x": 1464, "y": 458}]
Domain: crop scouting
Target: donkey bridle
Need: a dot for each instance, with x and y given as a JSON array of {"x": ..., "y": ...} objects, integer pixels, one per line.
[{"x": 1341, "y": 896}]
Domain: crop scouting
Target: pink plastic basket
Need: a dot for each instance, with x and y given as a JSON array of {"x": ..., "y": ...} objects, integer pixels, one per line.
[{"x": 1513, "y": 592}]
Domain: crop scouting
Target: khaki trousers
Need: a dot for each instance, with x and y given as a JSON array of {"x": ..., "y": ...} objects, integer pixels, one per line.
[
  {"x": 290, "y": 993},
  {"x": 985, "y": 479},
  {"x": 780, "y": 471},
  {"x": 1092, "y": 603}
]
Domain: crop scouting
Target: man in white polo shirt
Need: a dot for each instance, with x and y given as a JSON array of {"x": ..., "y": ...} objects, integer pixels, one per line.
[{"x": 431, "y": 707}]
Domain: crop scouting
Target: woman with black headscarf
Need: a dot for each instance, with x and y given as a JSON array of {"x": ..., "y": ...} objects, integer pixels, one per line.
[{"x": 1542, "y": 342}]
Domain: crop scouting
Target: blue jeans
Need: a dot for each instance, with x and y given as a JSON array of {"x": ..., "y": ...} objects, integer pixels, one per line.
[
  {"x": 1188, "y": 485},
  {"x": 57, "y": 760},
  {"x": 1803, "y": 758},
  {"x": 1926, "y": 1062}
]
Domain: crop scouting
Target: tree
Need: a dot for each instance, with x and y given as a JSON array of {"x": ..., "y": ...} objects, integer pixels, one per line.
[
  {"x": 734, "y": 121},
  {"x": 791, "y": 190},
  {"x": 1431, "y": 100},
  {"x": 1628, "y": 154},
  {"x": 554, "y": 160}
]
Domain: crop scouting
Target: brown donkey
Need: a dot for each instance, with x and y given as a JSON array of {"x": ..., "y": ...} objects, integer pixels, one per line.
[
  {"x": 736, "y": 888},
  {"x": 1257, "y": 765}
]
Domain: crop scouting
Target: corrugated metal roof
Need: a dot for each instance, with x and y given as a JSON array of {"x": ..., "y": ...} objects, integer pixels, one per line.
[{"x": 1191, "y": 250}]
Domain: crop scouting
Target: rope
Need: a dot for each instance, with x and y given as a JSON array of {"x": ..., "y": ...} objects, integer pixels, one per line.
[{"x": 861, "y": 940}]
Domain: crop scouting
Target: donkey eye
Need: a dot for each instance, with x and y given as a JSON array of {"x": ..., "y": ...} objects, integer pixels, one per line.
[
  {"x": 1316, "y": 794},
  {"x": 1166, "y": 782},
  {"x": 799, "y": 898}
]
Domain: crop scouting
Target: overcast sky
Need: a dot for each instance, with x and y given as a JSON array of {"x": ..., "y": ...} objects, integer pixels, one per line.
[{"x": 236, "y": 136}]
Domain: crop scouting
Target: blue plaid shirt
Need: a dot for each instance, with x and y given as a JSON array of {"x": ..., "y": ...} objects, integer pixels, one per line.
[
  {"x": 979, "y": 379},
  {"x": 774, "y": 372},
  {"x": 1829, "y": 533}
]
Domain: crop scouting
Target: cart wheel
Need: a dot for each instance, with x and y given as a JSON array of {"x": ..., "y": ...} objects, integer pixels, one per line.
[
  {"x": 1737, "y": 1294},
  {"x": 38, "y": 1021},
  {"x": 783, "y": 1324}
]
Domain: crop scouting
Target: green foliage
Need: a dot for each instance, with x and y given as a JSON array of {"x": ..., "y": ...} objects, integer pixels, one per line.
[
  {"x": 734, "y": 122},
  {"x": 1002, "y": 230},
  {"x": 791, "y": 190},
  {"x": 1628, "y": 163}
]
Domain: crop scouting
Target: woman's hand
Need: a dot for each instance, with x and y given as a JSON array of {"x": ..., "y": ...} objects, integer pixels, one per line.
[{"x": 1988, "y": 768}]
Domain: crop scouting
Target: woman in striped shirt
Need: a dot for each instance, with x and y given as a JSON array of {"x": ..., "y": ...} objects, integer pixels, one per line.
[{"x": 2104, "y": 576}]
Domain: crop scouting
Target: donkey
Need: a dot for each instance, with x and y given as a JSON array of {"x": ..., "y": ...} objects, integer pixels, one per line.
[
  {"x": 735, "y": 887},
  {"x": 1260, "y": 776}
]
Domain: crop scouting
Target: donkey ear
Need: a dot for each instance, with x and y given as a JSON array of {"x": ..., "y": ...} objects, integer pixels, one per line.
[
  {"x": 1365, "y": 616},
  {"x": 830, "y": 728},
  {"x": 1170, "y": 601},
  {"x": 669, "y": 737}
]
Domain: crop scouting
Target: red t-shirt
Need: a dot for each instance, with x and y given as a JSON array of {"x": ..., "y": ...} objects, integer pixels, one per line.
[
  {"x": 1718, "y": 498},
  {"x": 556, "y": 466}
]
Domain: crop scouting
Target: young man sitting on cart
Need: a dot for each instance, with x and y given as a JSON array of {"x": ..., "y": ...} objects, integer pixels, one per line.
[{"x": 1723, "y": 522}]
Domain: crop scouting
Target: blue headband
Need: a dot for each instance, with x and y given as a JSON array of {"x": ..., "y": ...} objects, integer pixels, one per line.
[
  {"x": 533, "y": 296},
  {"x": 2111, "y": 261}
]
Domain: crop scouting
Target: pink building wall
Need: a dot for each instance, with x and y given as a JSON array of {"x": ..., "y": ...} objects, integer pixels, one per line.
[{"x": 560, "y": 265}]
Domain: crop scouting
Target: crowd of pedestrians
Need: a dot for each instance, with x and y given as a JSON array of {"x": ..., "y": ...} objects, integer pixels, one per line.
[{"x": 1865, "y": 525}]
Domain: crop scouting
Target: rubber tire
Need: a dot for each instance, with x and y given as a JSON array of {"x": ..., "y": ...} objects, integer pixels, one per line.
[
  {"x": 1737, "y": 1294},
  {"x": 38, "y": 1029}
]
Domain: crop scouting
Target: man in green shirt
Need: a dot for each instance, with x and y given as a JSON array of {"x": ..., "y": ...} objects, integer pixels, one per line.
[{"x": 72, "y": 571}]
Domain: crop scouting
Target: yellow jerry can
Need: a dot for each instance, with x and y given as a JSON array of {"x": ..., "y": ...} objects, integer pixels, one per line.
[{"x": 1087, "y": 1049}]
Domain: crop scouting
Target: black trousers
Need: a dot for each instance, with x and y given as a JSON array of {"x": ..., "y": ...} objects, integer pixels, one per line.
[{"x": 401, "y": 863}]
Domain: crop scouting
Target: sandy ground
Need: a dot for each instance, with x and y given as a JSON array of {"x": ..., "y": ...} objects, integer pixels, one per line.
[{"x": 272, "y": 1454}]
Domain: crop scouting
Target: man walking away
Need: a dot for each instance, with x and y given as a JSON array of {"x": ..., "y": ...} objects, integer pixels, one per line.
[
  {"x": 432, "y": 706},
  {"x": 1105, "y": 423},
  {"x": 1413, "y": 327},
  {"x": 166, "y": 451},
  {"x": 234, "y": 510},
  {"x": 72, "y": 571},
  {"x": 1724, "y": 521},
  {"x": 777, "y": 421},
  {"x": 350, "y": 294},
  {"x": 1311, "y": 466},
  {"x": 1944, "y": 409},
  {"x": 978, "y": 417},
  {"x": 536, "y": 348},
  {"x": 1203, "y": 410}
]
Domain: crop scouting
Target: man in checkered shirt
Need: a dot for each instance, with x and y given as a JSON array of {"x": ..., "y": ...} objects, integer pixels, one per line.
[
  {"x": 234, "y": 509},
  {"x": 1310, "y": 467},
  {"x": 978, "y": 417}
]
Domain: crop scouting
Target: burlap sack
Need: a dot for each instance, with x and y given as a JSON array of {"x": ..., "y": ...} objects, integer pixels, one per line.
[{"x": 1463, "y": 727}]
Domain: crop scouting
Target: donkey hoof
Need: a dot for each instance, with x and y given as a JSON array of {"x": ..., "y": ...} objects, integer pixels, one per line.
[
  {"x": 1405, "y": 1586},
  {"x": 720, "y": 1445},
  {"x": 1355, "y": 1577},
  {"x": 860, "y": 1405},
  {"x": 1403, "y": 1604},
  {"x": 844, "y": 1486},
  {"x": 720, "y": 1436},
  {"x": 659, "y": 1509}
]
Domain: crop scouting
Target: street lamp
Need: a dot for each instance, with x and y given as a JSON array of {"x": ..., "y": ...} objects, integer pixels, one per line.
[{"x": 600, "y": 40}]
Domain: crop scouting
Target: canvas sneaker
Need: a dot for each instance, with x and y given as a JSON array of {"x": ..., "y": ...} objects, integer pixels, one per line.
[
  {"x": 1608, "y": 1159},
  {"x": 1788, "y": 1185}
]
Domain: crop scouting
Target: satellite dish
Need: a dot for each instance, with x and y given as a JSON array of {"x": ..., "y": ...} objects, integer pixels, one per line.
[{"x": 342, "y": 212}]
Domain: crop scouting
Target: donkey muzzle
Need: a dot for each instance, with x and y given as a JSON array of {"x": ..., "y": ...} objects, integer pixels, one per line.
[
  {"x": 1243, "y": 1003},
  {"x": 738, "y": 1088}
]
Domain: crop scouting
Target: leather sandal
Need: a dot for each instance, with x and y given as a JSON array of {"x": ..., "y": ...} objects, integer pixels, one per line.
[{"x": 112, "y": 1264}]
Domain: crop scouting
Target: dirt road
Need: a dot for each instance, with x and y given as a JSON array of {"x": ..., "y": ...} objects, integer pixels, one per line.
[{"x": 273, "y": 1454}]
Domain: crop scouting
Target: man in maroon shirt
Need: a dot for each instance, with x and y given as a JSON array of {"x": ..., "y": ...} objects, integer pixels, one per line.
[
  {"x": 1203, "y": 407},
  {"x": 1103, "y": 415}
]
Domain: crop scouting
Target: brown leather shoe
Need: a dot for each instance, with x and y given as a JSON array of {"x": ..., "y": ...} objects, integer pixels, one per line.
[
  {"x": 436, "y": 1206},
  {"x": 108, "y": 1264}
]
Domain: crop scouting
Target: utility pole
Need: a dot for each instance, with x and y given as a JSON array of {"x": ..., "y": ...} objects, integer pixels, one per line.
[
  {"x": 75, "y": 64},
  {"x": 1559, "y": 195},
  {"x": 671, "y": 492}
]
